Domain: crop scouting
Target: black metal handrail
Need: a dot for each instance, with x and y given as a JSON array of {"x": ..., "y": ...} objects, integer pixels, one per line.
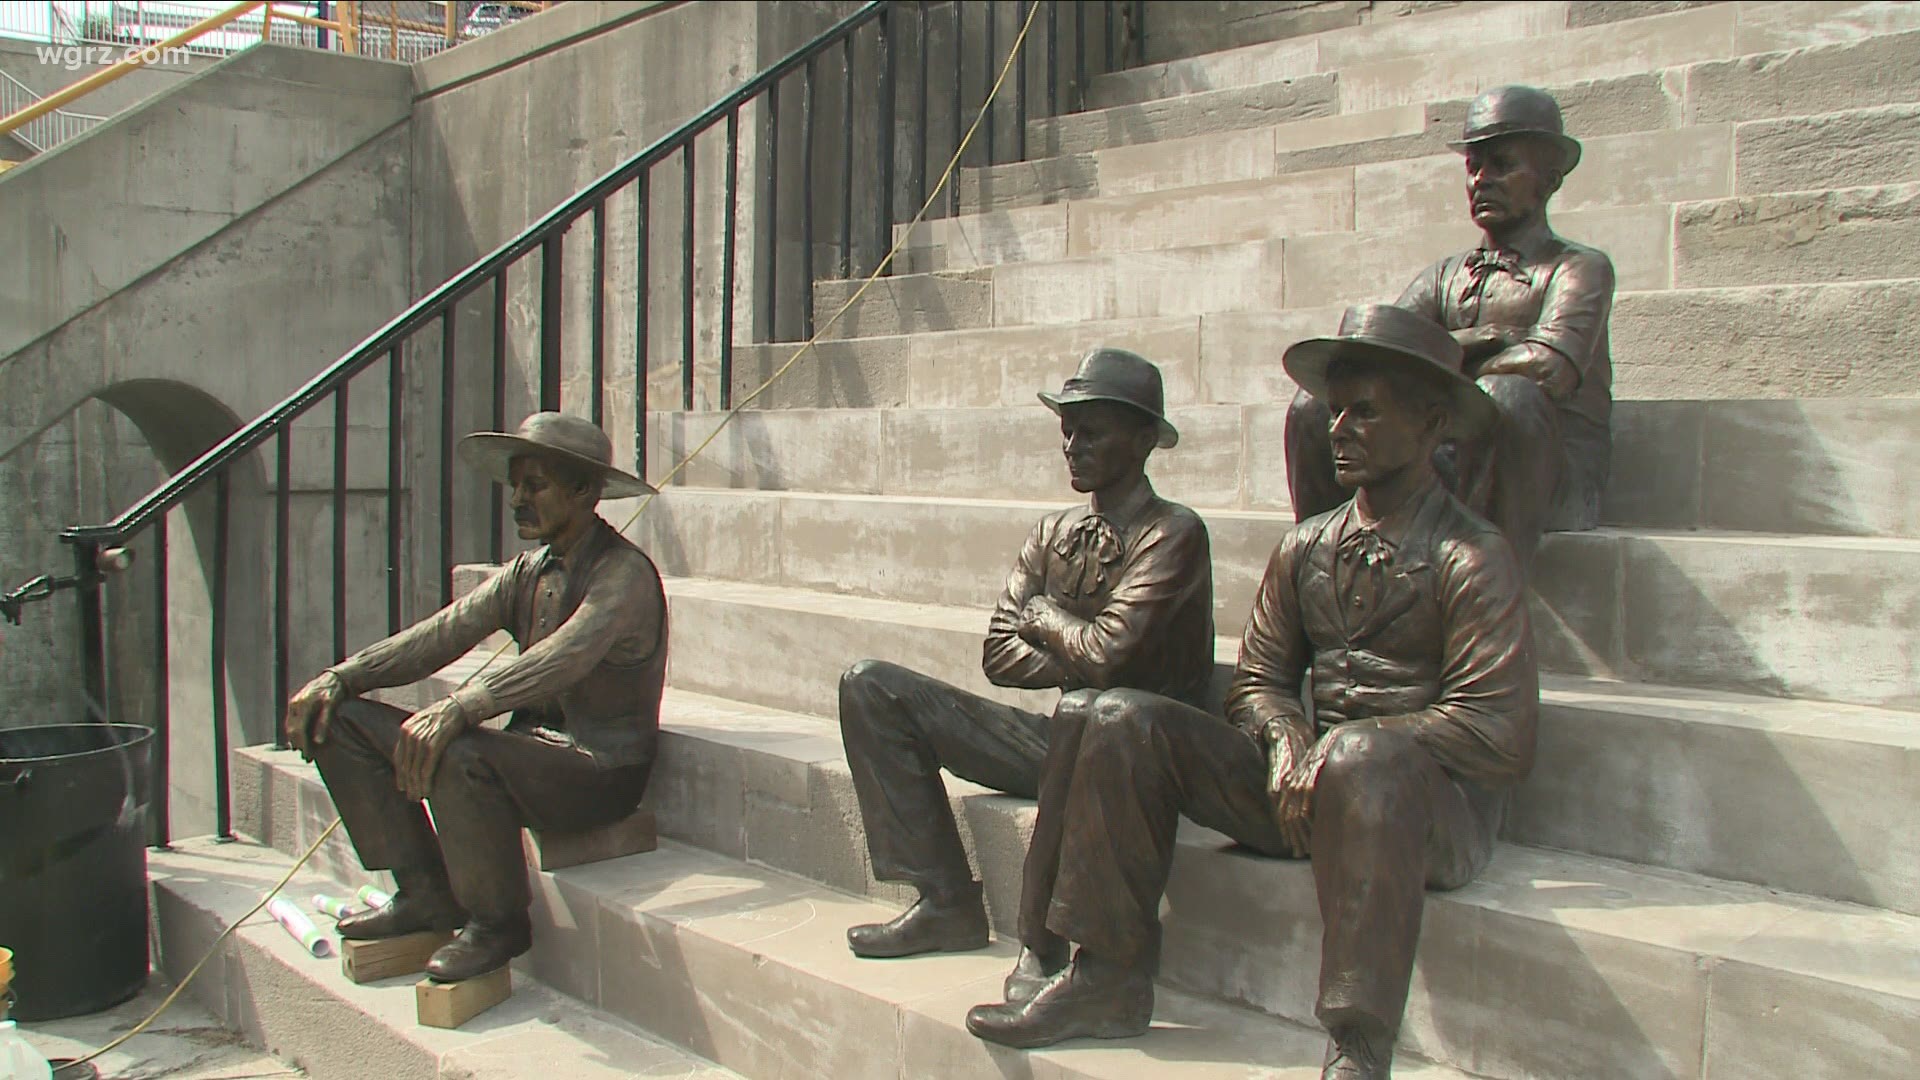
[{"x": 869, "y": 108}]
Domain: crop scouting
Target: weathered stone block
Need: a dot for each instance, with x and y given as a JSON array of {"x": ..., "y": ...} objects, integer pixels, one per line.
[
  {"x": 1233, "y": 109},
  {"x": 1855, "y": 75},
  {"x": 1174, "y": 281},
  {"x": 1805, "y": 153},
  {"x": 1851, "y": 234},
  {"x": 907, "y": 304}
]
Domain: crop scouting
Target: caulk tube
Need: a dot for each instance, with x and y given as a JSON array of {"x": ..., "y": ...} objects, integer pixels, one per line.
[
  {"x": 295, "y": 922},
  {"x": 332, "y": 907},
  {"x": 373, "y": 897}
]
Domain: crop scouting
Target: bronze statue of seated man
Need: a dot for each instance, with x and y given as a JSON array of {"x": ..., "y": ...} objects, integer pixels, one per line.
[
  {"x": 1410, "y": 613},
  {"x": 590, "y": 616},
  {"x": 1530, "y": 310},
  {"x": 1116, "y": 592}
]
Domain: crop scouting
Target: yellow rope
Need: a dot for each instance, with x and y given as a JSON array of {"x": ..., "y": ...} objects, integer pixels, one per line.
[{"x": 946, "y": 177}]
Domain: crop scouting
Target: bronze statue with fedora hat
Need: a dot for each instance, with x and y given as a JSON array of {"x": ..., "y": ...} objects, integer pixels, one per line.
[
  {"x": 1114, "y": 592},
  {"x": 1409, "y": 611},
  {"x": 590, "y": 616},
  {"x": 1529, "y": 310}
]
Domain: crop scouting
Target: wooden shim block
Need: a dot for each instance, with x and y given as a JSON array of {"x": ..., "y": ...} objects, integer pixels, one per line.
[
  {"x": 449, "y": 1005},
  {"x": 386, "y": 958},
  {"x": 631, "y": 835}
]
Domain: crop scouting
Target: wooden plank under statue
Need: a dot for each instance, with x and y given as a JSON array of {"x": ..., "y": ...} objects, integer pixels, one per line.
[
  {"x": 387, "y": 958},
  {"x": 631, "y": 835},
  {"x": 450, "y": 1005}
]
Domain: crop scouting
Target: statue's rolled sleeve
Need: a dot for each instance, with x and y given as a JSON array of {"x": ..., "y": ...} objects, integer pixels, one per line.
[
  {"x": 614, "y": 608},
  {"x": 1274, "y": 651},
  {"x": 1007, "y": 658},
  {"x": 1481, "y": 726},
  {"x": 1574, "y": 310},
  {"x": 434, "y": 642},
  {"x": 1162, "y": 574}
]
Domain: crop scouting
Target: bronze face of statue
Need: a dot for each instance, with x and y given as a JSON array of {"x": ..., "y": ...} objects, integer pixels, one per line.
[
  {"x": 1115, "y": 592},
  {"x": 589, "y": 614},
  {"x": 1529, "y": 310},
  {"x": 1410, "y": 614}
]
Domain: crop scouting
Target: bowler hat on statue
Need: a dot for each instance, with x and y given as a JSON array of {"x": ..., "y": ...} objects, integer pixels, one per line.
[
  {"x": 1518, "y": 110},
  {"x": 1406, "y": 338},
  {"x": 553, "y": 435},
  {"x": 1117, "y": 375}
]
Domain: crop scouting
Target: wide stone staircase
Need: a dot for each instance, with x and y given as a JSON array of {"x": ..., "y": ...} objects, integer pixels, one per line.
[{"x": 1711, "y": 872}]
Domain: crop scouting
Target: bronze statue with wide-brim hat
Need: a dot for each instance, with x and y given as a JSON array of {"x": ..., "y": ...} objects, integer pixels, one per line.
[
  {"x": 585, "y": 707},
  {"x": 1410, "y": 614},
  {"x": 1530, "y": 312},
  {"x": 1117, "y": 591}
]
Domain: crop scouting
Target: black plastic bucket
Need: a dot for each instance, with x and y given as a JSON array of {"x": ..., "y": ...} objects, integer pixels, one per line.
[{"x": 73, "y": 865}]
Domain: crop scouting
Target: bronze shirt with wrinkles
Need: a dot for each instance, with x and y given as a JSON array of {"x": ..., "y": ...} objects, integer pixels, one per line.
[
  {"x": 592, "y": 629},
  {"x": 1418, "y": 622},
  {"x": 1560, "y": 291},
  {"x": 1138, "y": 580}
]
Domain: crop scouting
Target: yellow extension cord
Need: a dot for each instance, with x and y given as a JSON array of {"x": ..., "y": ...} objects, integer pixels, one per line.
[{"x": 946, "y": 177}]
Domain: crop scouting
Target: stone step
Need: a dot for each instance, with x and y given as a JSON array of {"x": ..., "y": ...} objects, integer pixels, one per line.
[
  {"x": 1551, "y": 965},
  {"x": 747, "y": 965},
  {"x": 1835, "y": 466},
  {"x": 1330, "y": 50},
  {"x": 1498, "y": 36},
  {"x": 1638, "y": 169},
  {"x": 1785, "y": 89},
  {"x": 266, "y": 987},
  {"x": 1740, "y": 611},
  {"x": 1810, "y": 238}
]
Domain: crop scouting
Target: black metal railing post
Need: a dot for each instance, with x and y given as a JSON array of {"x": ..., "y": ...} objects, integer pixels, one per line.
[
  {"x": 989, "y": 68},
  {"x": 808, "y": 80},
  {"x": 920, "y": 161},
  {"x": 1020, "y": 91},
  {"x": 959, "y": 97},
  {"x": 729, "y": 180},
  {"x": 774, "y": 190},
  {"x": 496, "y": 494},
  {"x": 553, "y": 283},
  {"x": 282, "y": 571},
  {"x": 340, "y": 434},
  {"x": 846, "y": 159},
  {"x": 686, "y": 276},
  {"x": 889, "y": 79},
  {"x": 447, "y": 374},
  {"x": 160, "y": 804},
  {"x": 642, "y": 302},
  {"x": 396, "y": 462},
  {"x": 93, "y": 644},
  {"x": 217, "y": 675},
  {"x": 597, "y": 319}
]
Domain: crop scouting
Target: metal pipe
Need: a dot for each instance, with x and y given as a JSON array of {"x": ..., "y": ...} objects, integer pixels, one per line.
[
  {"x": 597, "y": 319},
  {"x": 686, "y": 277},
  {"x": 643, "y": 299},
  {"x": 774, "y": 191},
  {"x": 889, "y": 92},
  {"x": 340, "y": 524},
  {"x": 553, "y": 285},
  {"x": 496, "y": 497},
  {"x": 806, "y": 202},
  {"x": 159, "y": 810},
  {"x": 446, "y": 456},
  {"x": 282, "y": 569},
  {"x": 846, "y": 159},
  {"x": 222, "y": 784},
  {"x": 396, "y": 397},
  {"x": 728, "y": 195}
]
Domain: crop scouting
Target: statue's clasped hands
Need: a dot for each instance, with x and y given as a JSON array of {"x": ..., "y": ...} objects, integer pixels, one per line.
[{"x": 423, "y": 738}]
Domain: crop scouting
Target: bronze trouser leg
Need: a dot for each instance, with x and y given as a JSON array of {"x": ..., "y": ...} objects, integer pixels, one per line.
[
  {"x": 489, "y": 785},
  {"x": 1386, "y": 821},
  {"x": 1511, "y": 474},
  {"x": 900, "y": 728},
  {"x": 1310, "y": 479},
  {"x": 1043, "y": 850}
]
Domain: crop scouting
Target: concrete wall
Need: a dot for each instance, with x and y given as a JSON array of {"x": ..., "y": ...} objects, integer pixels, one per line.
[{"x": 18, "y": 59}]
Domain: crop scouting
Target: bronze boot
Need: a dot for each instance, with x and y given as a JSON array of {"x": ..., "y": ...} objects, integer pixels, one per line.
[
  {"x": 938, "y": 922},
  {"x": 1034, "y": 970},
  {"x": 1358, "y": 1051},
  {"x": 422, "y": 902},
  {"x": 1089, "y": 998},
  {"x": 480, "y": 948}
]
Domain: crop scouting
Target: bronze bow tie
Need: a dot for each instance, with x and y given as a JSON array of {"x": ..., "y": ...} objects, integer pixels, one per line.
[
  {"x": 1369, "y": 546},
  {"x": 1093, "y": 546},
  {"x": 1482, "y": 262}
]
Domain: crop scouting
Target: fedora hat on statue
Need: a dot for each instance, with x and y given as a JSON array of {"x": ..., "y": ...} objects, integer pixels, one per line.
[
  {"x": 1118, "y": 375},
  {"x": 554, "y": 435},
  {"x": 1406, "y": 338},
  {"x": 1518, "y": 110}
]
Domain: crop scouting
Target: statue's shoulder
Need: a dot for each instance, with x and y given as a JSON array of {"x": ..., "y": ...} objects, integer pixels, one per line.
[
  {"x": 1577, "y": 254},
  {"x": 1469, "y": 542}
]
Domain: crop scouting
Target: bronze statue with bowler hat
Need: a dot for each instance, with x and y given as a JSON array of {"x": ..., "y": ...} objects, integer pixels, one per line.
[
  {"x": 1530, "y": 311},
  {"x": 590, "y": 616},
  {"x": 1409, "y": 612}
]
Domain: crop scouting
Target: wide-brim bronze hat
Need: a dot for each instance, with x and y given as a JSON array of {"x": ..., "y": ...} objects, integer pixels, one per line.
[
  {"x": 1118, "y": 375},
  {"x": 555, "y": 435},
  {"x": 1518, "y": 110},
  {"x": 1403, "y": 337}
]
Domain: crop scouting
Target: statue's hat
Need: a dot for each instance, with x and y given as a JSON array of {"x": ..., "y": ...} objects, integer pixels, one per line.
[
  {"x": 1406, "y": 338},
  {"x": 1108, "y": 374},
  {"x": 556, "y": 435},
  {"x": 1518, "y": 110}
]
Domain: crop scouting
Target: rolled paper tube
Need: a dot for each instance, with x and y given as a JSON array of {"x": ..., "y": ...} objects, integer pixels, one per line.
[
  {"x": 295, "y": 922},
  {"x": 332, "y": 907},
  {"x": 373, "y": 897}
]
